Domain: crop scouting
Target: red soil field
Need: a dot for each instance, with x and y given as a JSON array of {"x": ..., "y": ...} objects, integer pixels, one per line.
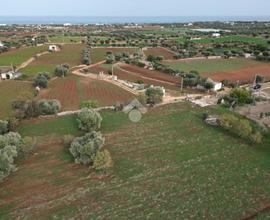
[
  {"x": 72, "y": 91},
  {"x": 159, "y": 51},
  {"x": 151, "y": 74},
  {"x": 245, "y": 75}
]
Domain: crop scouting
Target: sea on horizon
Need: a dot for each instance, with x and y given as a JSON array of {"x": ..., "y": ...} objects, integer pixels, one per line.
[{"x": 122, "y": 20}]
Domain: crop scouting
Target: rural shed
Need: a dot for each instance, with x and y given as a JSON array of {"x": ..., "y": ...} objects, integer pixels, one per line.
[{"x": 217, "y": 85}]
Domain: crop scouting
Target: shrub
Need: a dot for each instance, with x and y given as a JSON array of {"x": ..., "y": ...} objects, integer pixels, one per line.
[
  {"x": 242, "y": 96},
  {"x": 33, "y": 108},
  {"x": 11, "y": 144},
  {"x": 7, "y": 156},
  {"x": 240, "y": 127},
  {"x": 89, "y": 120},
  {"x": 89, "y": 104},
  {"x": 3, "y": 127},
  {"x": 29, "y": 143},
  {"x": 61, "y": 70},
  {"x": 41, "y": 80},
  {"x": 84, "y": 149},
  {"x": 102, "y": 161},
  {"x": 154, "y": 95}
]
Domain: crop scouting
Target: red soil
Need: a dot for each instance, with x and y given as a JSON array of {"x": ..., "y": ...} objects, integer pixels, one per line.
[
  {"x": 151, "y": 74},
  {"x": 159, "y": 51},
  {"x": 245, "y": 75}
]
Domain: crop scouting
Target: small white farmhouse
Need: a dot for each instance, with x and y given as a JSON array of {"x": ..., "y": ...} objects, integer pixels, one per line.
[
  {"x": 217, "y": 85},
  {"x": 216, "y": 35},
  {"x": 53, "y": 48}
]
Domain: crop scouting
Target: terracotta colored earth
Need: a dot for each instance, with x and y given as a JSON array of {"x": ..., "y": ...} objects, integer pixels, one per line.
[
  {"x": 151, "y": 74},
  {"x": 73, "y": 90},
  {"x": 245, "y": 75},
  {"x": 159, "y": 51}
]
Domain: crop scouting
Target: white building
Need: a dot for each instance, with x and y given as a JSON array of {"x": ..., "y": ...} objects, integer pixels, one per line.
[
  {"x": 217, "y": 85},
  {"x": 216, "y": 35},
  {"x": 10, "y": 75},
  {"x": 1, "y": 44},
  {"x": 53, "y": 48}
]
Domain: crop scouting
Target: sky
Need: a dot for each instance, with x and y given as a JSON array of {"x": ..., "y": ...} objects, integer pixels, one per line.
[{"x": 135, "y": 8}]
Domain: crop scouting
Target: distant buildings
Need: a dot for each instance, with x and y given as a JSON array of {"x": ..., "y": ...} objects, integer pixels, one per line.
[{"x": 216, "y": 35}]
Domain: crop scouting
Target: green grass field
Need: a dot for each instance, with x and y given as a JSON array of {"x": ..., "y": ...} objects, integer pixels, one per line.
[
  {"x": 211, "y": 65},
  {"x": 66, "y": 39},
  {"x": 10, "y": 91},
  {"x": 21, "y": 55},
  {"x": 70, "y": 54},
  {"x": 175, "y": 167},
  {"x": 233, "y": 38}
]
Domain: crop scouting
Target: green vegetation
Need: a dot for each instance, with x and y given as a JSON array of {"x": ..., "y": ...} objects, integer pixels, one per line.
[
  {"x": 177, "y": 158},
  {"x": 69, "y": 54},
  {"x": 89, "y": 120},
  {"x": 11, "y": 91},
  {"x": 209, "y": 66},
  {"x": 19, "y": 56},
  {"x": 66, "y": 39},
  {"x": 232, "y": 39}
]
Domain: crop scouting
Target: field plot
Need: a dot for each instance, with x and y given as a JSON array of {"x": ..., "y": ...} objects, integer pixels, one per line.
[
  {"x": 132, "y": 76},
  {"x": 70, "y": 54},
  {"x": 219, "y": 69},
  {"x": 175, "y": 167},
  {"x": 150, "y": 74},
  {"x": 244, "y": 75},
  {"x": 232, "y": 39},
  {"x": 66, "y": 39},
  {"x": 72, "y": 90},
  {"x": 99, "y": 54},
  {"x": 159, "y": 51},
  {"x": 18, "y": 56},
  {"x": 10, "y": 91}
]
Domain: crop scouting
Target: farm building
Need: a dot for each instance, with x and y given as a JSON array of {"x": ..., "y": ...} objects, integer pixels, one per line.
[
  {"x": 1, "y": 44},
  {"x": 217, "y": 85},
  {"x": 53, "y": 48},
  {"x": 10, "y": 75},
  {"x": 216, "y": 35}
]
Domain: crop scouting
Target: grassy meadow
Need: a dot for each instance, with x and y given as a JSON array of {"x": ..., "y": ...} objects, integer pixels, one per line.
[
  {"x": 10, "y": 91},
  {"x": 175, "y": 167},
  {"x": 18, "y": 56}
]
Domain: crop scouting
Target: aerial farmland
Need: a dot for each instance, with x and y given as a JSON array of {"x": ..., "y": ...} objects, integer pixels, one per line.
[{"x": 151, "y": 121}]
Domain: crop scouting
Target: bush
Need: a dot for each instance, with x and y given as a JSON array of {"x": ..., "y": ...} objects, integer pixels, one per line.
[
  {"x": 29, "y": 144},
  {"x": 154, "y": 95},
  {"x": 3, "y": 127},
  {"x": 242, "y": 96},
  {"x": 84, "y": 149},
  {"x": 240, "y": 127},
  {"x": 89, "y": 104},
  {"x": 89, "y": 120},
  {"x": 61, "y": 70},
  {"x": 33, "y": 108},
  {"x": 102, "y": 161},
  {"x": 41, "y": 80},
  {"x": 11, "y": 144}
]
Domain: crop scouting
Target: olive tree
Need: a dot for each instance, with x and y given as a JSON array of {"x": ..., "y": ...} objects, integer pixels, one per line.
[
  {"x": 89, "y": 120},
  {"x": 3, "y": 127},
  {"x": 11, "y": 145},
  {"x": 84, "y": 149}
]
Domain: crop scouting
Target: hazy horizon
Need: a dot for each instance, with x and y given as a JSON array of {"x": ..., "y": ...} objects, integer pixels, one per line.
[{"x": 136, "y": 8}]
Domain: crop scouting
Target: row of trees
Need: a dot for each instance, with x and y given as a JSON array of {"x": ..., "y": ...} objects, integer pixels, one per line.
[
  {"x": 34, "y": 108},
  {"x": 87, "y": 150}
]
